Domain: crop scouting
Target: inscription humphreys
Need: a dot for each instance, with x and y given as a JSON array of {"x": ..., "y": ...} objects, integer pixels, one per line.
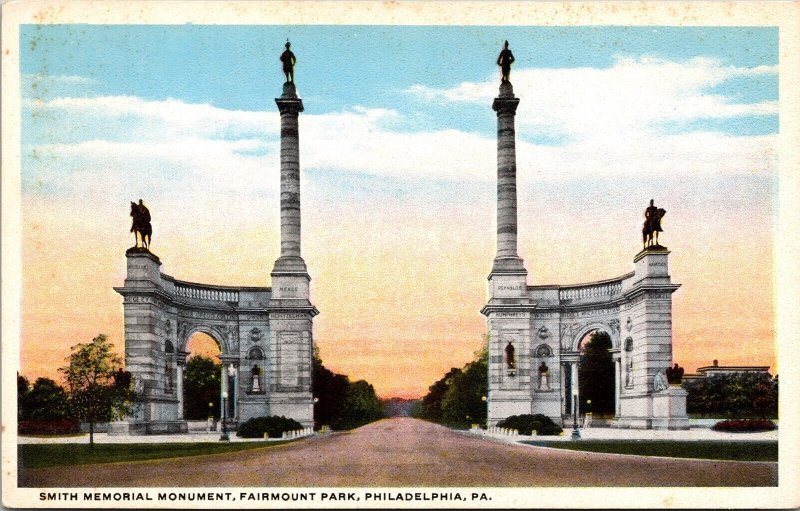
[
  {"x": 511, "y": 315},
  {"x": 657, "y": 263},
  {"x": 510, "y": 288}
]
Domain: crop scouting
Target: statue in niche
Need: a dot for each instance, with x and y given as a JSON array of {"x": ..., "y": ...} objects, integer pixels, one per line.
[
  {"x": 168, "y": 328},
  {"x": 256, "y": 375},
  {"x": 504, "y": 60},
  {"x": 652, "y": 225},
  {"x": 544, "y": 372},
  {"x": 511, "y": 362},
  {"x": 289, "y": 60},
  {"x": 659, "y": 382},
  {"x": 168, "y": 370},
  {"x": 629, "y": 374},
  {"x": 141, "y": 227}
]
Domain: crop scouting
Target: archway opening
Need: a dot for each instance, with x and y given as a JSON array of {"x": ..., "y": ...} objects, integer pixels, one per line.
[
  {"x": 596, "y": 374},
  {"x": 201, "y": 378}
]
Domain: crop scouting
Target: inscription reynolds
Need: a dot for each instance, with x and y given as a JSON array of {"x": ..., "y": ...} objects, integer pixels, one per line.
[{"x": 510, "y": 288}]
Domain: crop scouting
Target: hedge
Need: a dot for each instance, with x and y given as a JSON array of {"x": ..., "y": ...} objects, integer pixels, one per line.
[
  {"x": 274, "y": 426},
  {"x": 51, "y": 427},
  {"x": 525, "y": 424},
  {"x": 744, "y": 425}
]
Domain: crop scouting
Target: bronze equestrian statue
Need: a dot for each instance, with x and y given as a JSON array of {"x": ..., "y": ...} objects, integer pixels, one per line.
[
  {"x": 141, "y": 227},
  {"x": 652, "y": 225}
]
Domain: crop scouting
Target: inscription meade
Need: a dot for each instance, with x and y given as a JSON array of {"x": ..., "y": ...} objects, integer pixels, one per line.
[{"x": 288, "y": 289}]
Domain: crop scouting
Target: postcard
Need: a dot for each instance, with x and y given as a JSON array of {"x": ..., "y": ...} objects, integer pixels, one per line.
[{"x": 399, "y": 254}]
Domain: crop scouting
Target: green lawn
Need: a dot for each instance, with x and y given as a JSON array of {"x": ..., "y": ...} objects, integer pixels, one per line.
[
  {"x": 51, "y": 455},
  {"x": 715, "y": 450}
]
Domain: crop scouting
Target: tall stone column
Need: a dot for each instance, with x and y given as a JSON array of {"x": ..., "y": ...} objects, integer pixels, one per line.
[
  {"x": 291, "y": 311},
  {"x": 290, "y": 107},
  {"x": 509, "y": 309},
  {"x": 506, "y": 107}
]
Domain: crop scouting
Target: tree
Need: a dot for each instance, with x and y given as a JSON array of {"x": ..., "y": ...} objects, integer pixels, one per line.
[
  {"x": 463, "y": 402},
  {"x": 736, "y": 395},
  {"x": 340, "y": 403},
  {"x": 46, "y": 400},
  {"x": 99, "y": 389},
  {"x": 597, "y": 374},
  {"x": 329, "y": 390},
  {"x": 201, "y": 385},
  {"x": 22, "y": 393},
  {"x": 459, "y": 396}
]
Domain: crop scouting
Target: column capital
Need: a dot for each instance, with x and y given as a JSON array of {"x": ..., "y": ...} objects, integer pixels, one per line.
[
  {"x": 503, "y": 105},
  {"x": 289, "y": 106}
]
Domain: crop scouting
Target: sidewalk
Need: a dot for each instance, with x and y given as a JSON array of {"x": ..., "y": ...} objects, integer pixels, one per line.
[
  {"x": 693, "y": 434},
  {"x": 105, "y": 438}
]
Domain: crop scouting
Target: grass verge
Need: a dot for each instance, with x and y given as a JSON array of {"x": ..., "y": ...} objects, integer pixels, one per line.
[
  {"x": 54, "y": 455},
  {"x": 714, "y": 450}
]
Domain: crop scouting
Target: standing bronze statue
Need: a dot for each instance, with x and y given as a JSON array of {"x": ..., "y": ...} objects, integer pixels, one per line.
[
  {"x": 511, "y": 361},
  {"x": 652, "y": 225},
  {"x": 141, "y": 227},
  {"x": 504, "y": 60},
  {"x": 289, "y": 60}
]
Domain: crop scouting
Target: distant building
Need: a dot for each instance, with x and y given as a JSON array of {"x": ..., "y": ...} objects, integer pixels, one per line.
[{"x": 715, "y": 369}]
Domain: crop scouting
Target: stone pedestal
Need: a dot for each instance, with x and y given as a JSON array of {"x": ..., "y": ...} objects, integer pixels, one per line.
[{"x": 669, "y": 409}]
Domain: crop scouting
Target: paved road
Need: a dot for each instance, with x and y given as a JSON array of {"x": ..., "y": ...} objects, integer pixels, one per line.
[{"x": 407, "y": 452}]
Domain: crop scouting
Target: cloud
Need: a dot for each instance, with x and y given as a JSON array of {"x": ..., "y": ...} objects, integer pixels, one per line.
[
  {"x": 633, "y": 95},
  {"x": 613, "y": 121}
]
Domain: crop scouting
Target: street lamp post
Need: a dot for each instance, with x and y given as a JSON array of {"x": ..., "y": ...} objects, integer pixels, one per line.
[
  {"x": 576, "y": 435},
  {"x": 224, "y": 437}
]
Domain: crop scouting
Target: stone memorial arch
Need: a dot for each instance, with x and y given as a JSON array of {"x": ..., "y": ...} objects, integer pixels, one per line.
[
  {"x": 535, "y": 331},
  {"x": 264, "y": 333}
]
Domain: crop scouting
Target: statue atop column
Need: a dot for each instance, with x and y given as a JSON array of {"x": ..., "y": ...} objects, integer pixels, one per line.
[
  {"x": 652, "y": 225},
  {"x": 504, "y": 60},
  {"x": 141, "y": 227},
  {"x": 289, "y": 60}
]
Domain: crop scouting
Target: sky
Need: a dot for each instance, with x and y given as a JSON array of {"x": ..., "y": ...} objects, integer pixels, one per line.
[{"x": 398, "y": 158}]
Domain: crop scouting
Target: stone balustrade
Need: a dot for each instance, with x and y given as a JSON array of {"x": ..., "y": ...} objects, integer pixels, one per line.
[
  {"x": 186, "y": 290},
  {"x": 297, "y": 433},
  {"x": 596, "y": 291}
]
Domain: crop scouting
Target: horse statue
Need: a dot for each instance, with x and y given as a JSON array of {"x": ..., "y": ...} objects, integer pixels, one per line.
[
  {"x": 652, "y": 225},
  {"x": 141, "y": 228}
]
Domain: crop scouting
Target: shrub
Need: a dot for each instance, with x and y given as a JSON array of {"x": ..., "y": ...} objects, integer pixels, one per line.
[
  {"x": 744, "y": 425},
  {"x": 48, "y": 427},
  {"x": 525, "y": 424},
  {"x": 274, "y": 426}
]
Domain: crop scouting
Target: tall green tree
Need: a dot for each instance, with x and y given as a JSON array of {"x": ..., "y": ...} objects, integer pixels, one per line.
[
  {"x": 459, "y": 396},
  {"x": 736, "y": 395},
  {"x": 464, "y": 401},
  {"x": 23, "y": 387},
  {"x": 99, "y": 388},
  {"x": 597, "y": 375},
  {"x": 340, "y": 403},
  {"x": 46, "y": 400},
  {"x": 201, "y": 386},
  {"x": 330, "y": 392}
]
